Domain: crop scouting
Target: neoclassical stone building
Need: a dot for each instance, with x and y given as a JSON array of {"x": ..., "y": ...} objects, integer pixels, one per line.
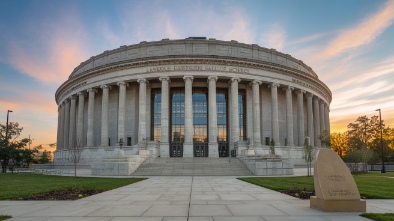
[{"x": 194, "y": 97}]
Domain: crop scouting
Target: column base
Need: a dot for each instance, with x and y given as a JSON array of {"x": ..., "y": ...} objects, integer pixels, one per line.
[
  {"x": 164, "y": 149},
  {"x": 188, "y": 150},
  {"x": 213, "y": 150}
]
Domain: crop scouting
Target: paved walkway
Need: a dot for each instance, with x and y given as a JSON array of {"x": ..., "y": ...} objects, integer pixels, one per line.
[{"x": 180, "y": 199}]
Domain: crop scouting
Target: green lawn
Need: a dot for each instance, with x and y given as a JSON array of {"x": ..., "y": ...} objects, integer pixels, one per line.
[
  {"x": 379, "y": 217},
  {"x": 5, "y": 217},
  {"x": 14, "y": 186},
  {"x": 374, "y": 185}
]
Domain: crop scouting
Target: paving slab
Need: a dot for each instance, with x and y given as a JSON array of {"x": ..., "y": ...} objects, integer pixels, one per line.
[{"x": 183, "y": 198}]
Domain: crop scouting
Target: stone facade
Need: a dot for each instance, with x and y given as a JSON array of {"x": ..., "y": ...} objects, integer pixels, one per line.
[{"x": 110, "y": 98}]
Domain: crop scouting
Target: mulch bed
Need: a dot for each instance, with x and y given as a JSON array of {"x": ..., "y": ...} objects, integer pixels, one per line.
[
  {"x": 69, "y": 194},
  {"x": 300, "y": 193}
]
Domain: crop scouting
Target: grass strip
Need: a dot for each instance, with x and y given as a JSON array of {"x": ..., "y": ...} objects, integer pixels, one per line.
[
  {"x": 16, "y": 186},
  {"x": 379, "y": 217},
  {"x": 374, "y": 185},
  {"x": 4, "y": 217}
]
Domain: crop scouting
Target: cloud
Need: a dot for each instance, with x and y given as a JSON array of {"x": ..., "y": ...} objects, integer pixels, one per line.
[
  {"x": 54, "y": 55},
  {"x": 274, "y": 38},
  {"x": 362, "y": 34}
]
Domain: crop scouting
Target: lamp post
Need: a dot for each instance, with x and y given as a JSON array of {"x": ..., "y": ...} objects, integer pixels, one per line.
[
  {"x": 6, "y": 127},
  {"x": 381, "y": 140}
]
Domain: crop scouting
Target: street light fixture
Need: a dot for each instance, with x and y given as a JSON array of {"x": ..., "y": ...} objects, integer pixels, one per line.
[
  {"x": 6, "y": 127},
  {"x": 381, "y": 141}
]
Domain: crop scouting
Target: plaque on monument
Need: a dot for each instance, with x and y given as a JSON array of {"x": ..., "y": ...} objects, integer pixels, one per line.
[{"x": 335, "y": 188}]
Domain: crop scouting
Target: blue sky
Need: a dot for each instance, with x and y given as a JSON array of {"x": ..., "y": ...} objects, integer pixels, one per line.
[{"x": 349, "y": 44}]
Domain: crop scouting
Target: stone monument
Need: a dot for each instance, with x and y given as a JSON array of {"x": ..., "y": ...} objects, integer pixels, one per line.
[{"x": 336, "y": 190}]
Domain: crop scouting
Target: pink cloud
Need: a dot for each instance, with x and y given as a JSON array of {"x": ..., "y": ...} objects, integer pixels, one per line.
[
  {"x": 274, "y": 38},
  {"x": 53, "y": 57},
  {"x": 362, "y": 34}
]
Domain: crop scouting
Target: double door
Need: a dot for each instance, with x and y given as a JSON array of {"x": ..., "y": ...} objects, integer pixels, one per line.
[
  {"x": 200, "y": 149},
  {"x": 176, "y": 150}
]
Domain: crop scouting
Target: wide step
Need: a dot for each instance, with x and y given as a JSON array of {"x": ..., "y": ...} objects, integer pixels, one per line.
[{"x": 192, "y": 167}]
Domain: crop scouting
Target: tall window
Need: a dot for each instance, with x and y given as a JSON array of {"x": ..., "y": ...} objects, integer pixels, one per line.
[
  {"x": 156, "y": 116},
  {"x": 241, "y": 113},
  {"x": 221, "y": 108},
  {"x": 177, "y": 115},
  {"x": 200, "y": 115}
]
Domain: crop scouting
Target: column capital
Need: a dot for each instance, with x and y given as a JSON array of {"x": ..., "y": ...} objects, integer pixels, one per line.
[
  {"x": 92, "y": 90},
  {"x": 232, "y": 80},
  {"x": 255, "y": 82},
  {"x": 72, "y": 97},
  {"x": 81, "y": 93},
  {"x": 188, "y": 77},
  {"x": 309, "y": 95},
  {"x": 300, "y": 91},
  {"x": 316, "y": 98},
  {"x": 288, "y": 88},
  {"x": 165, "y": 79},
  {"x": 212, "y": 77},
  {"x": 104, "y": 86},
  {"x": 122, "y": 83},
  {"x": 142, "y": 81},
  {"x": 273, "y": 85}
]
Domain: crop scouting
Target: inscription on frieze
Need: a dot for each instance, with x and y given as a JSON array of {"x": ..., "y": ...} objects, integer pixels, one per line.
[{"x": 197, "y": 68}]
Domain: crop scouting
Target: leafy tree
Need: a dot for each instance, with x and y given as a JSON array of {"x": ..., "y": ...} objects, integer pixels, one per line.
[
  {"x": 12, "y": 148},
  {"x": 45, "y": 157},
  {"x": 336, "y": 141}
]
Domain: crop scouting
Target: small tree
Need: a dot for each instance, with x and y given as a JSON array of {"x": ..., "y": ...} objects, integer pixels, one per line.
[
  {"x": 75, "y": 153},
  {"x": 45, "y": 156},
  {"x": 309, "y": 155},
  {"x": 272, "y": 147}
]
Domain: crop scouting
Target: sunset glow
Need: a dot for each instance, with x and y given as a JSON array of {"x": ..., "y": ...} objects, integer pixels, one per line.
[{"x": 349, "y": 44}]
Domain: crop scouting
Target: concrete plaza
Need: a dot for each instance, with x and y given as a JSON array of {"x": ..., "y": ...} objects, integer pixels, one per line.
[{"x": 183, "y": 198}]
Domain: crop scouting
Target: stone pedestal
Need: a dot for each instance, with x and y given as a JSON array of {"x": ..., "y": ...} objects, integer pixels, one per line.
[
  {"x": 164, "y": 150},
  {"x": 213, "y": 150},
  {"x": 187, "y": 149},
  {"x": 249, "y": 152},
  {"x": 338, "y": 205},
  {"x": 336, "y": 190}
]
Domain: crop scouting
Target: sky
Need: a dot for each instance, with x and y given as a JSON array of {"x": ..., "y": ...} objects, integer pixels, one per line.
[{"x": 349, "y": 44}]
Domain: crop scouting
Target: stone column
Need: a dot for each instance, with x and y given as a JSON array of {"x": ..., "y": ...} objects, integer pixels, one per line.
[
  {"x": 327, "y": 117},
  {"x": 90, "y": 135},
  {"x": 316, "y": 117},
  {"x": 60, "y": 127},
  {"x": 59, "y": 111},
  {"x": 104, "y": 116},
  {"x": 188, "y": 143},
  {"x": 234, "y": 112},
  {"x": 274, "y": 113},
  {"x": 212, "y": 118},
  {"x": 322, "y": 116},
  {"x": 300, "y": 117},
  {"x": 81, "y": 106},
  {"x": 121, "y": 113},
  {"x": 289, "y": 116},
  {"x": 66, "y": 124},
  {"x": 311, "y": 135},
  {"x": 165, "y": 117},
  {"x": 256, "y": 113},
  {"x": 71, "y": 135},
  {"x": 142, "y": 114}
]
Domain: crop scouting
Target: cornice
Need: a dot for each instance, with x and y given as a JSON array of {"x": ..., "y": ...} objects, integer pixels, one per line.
[{"x": 295, "y": 73}]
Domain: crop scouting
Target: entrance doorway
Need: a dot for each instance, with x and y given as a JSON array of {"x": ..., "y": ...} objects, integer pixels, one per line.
[
  {"x": 223, "y": 149},
  {"x": 200, "y": 149},
  {"x": 176, "y": 150}
]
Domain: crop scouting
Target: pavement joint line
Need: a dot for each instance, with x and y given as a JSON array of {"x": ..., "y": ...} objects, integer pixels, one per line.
[{"x": 190, "y": 198}]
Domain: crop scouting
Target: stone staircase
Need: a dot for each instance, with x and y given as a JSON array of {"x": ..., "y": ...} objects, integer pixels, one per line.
[
  {"x": 121, "y": 165},
  {"x": 192, "y": 167}
]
